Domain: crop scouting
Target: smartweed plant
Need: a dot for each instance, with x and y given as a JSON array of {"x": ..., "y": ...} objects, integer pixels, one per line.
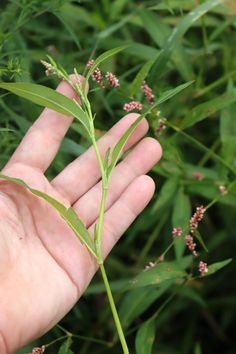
[{"x": 159, "y": 270}]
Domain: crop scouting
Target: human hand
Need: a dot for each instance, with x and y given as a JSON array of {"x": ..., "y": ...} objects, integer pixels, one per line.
[{"x": 44, "y": 268}]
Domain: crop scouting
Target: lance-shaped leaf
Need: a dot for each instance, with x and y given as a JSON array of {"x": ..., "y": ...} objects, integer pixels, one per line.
[
  {"x": 47, "y": 97},
  {"x": 65, "y": 347},
  {"x": 213, "y": 268},
  {"x": 140, "y": 77},
  {"x": 158, "y": 274},
  {"x": 121, "y": 143},
  {"x": 166, "y": 95},
  {"x": 145, "y": 338},
  {"x": 176, "y": 35},
  {"x": 68, "y": 214},
  {"x": 206, "y": 109}
]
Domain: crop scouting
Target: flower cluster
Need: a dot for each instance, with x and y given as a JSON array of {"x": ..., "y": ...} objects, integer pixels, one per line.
[
  {"x": 191, "y": 244},
  {"x": 202, "y": 267},
  {"x": 189, "y": 241},
  {"x": 38, "y": 350},
  {"x": 161, "y": 126},
  {"x": 51, "y": 69},
  {"x": 132, "y": 105},
  {"x": 197, "y": 216},
  {"x": 90, "y": 63},
  {"x": 98, "y": 78},
  {"x": 147, "y": 92},
  {"x": 176, "y": 232},
  {"x": 112, "y": 79}
]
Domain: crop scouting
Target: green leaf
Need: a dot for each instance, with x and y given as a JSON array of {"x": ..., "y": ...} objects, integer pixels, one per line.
[
  {"x": 137, "y": 301},
  {"x": 158, "y": 274},
  {"x": 141, "y": 75},
  {"x": 180, "y": 218},
  {"x": 213, "y": 268},
  {"x": 46, "y": 97},
  {"x": 177, "y": 33},
  {"x": 206, "y": 109},
  {"x": 228, "y": 127},
  {"x": 116, "y": 152},
  {"x": 103, "y": 57},
  {"x": 65, "y": 347},
  {"x": 68, "y": 214},
  {"x": 166, "y": 95},
  {"x": 166, "y": 194},
  {"x": 159, "y": 31},
  {"x": 145, "y": 338}
]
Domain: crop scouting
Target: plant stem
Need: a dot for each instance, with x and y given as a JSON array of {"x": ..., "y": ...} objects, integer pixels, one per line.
[
  {"x": 100, "y": 223},
  {"x": 114, "y": 311}
]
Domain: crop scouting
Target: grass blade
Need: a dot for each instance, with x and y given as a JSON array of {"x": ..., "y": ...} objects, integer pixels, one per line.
[{"x": 176, "y": 35}]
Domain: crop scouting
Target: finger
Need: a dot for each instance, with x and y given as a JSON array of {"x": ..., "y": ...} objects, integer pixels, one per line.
[
  {"x": 42, "y": 141},
  {"x": 139, "y": 161},
  {"x": 121, "y": 215},
  {"x": 83, "y": 173}
]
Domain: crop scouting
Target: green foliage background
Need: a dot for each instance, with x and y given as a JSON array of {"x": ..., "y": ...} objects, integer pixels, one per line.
[{"x": 199, "y": 316}]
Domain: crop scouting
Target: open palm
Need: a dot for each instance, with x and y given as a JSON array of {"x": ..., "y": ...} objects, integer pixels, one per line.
[{"x": 44, "y": 269}]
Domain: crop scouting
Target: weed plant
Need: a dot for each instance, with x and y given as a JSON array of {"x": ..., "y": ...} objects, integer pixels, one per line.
[{"x": 171, "y": 45}]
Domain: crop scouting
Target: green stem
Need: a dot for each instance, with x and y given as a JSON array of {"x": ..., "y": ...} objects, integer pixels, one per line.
[
  {"x": 98, "y": 236},
  {"x": 114, "y": 311}
]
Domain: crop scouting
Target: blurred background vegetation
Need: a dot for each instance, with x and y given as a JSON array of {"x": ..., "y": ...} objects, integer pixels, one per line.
[{"x": 199, "y": 144}]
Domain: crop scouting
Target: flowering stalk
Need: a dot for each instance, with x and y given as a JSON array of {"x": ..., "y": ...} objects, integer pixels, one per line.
[{"x": 53, "y": 68}]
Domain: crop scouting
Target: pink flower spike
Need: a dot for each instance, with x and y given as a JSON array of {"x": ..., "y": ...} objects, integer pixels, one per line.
[
  {"x": 197, "y": 216},
  {"x": 38, "y": 350},
  {"x": 190, "y": 244},
  {"x": 147, "y": 92},
  {"x": 112, "y": 79},
  {"x": 176, "y": 232},
  {"x": 132, "y": 105},
  {"x": 161, "y": 126},
  {"x": 90, "y": 63},
  {"x": 202, "y": 267}
]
